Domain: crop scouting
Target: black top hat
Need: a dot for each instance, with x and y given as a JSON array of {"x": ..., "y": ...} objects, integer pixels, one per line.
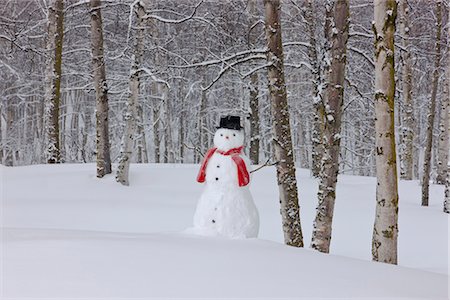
[{"x": 230, "y": 122}]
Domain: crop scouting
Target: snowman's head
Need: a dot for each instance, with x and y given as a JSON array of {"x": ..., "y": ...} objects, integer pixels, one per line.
[{"x": 226, "y": 139}]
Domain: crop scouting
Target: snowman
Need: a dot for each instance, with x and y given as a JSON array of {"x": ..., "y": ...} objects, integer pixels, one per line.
[{"x": 226, "y": 207}]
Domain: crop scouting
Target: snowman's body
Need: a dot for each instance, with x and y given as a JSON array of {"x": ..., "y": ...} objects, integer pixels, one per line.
[{"x": 225, "y": 208}]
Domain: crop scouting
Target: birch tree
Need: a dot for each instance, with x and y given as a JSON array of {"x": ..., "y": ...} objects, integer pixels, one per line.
[
  {"x": 55, "y": 32},
  {"x": 254, "y": 91},
  {"x": 101, "y": 91},
  {"x": 318, "y": 111},
  {"x": 431, "y": 113},
  {"x": 132, "y": 106},
  {"x": 447, "y": 194},
  {"x": 282, "y": 140},
  {"x": 442, "y": 153},
  {"x": 385, "y": 232},
  {"x": 447, "y": 179},
  {"x": 336, "y": 36},
  {"x": 407, "y": 131}
]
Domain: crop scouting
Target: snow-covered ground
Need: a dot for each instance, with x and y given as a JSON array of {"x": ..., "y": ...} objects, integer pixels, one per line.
[{"x": 67, "y": 234}]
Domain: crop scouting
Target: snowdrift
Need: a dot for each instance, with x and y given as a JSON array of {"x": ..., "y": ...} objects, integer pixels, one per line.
[{"x": 68, "y": 234}]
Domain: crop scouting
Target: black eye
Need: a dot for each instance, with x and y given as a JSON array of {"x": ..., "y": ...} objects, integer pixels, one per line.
[
  {"x": 221, "y": 134},
  {"x": 234, "y": 134}
]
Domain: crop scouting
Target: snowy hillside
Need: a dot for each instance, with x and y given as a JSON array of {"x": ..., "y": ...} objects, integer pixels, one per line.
[{"x": 66, "y": 233}]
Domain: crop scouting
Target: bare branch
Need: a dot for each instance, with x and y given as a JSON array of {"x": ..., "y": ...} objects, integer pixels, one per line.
[{"x": 266, "y": 164}]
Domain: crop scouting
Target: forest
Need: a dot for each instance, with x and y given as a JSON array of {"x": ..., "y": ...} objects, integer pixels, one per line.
[{"x": 351, "y": 87}]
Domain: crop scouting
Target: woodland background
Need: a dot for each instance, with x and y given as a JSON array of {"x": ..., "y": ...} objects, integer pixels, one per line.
[{"x": 194, "y": 74}]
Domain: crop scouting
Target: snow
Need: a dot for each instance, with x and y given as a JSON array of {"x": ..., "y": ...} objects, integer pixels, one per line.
[{"x": 66, "y": 233}]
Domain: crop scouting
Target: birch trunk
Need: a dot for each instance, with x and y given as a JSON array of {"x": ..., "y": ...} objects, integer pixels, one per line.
[
  {"x": 126, "y": 151},
  {"x": 87, "y": 126},
  {"x": 254, "y": 91},
  {"x": 2, "y": 138},
  {"x": 447, "y": 180},
  {"x": 442, "y": 157},
  {"x": 53, "y": 80},
  {"x": 8, "y": 147},
  {"x": 282, "y": 139},
  {"x": 254, "y": 119},
  {"x": 407, "y": 137},
  {"x": 336, "y": 35},
  {"x": 318, "y": 111},
  {"x": 431, "y": 114},
  {"x": 142, "y": 154},
  {"x": 101, "y": 91},
  {"x": 181, "y": 125},
  {"x": 156, "y": 122},
  {"x": 385, "y": 232},
  {"x": 447, "y": 193},
  {"x": 203, "y": 135},
  {"x": 168, "y": 141}
]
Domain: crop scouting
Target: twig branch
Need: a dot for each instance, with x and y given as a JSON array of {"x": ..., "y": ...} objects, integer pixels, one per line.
[
  {"x": 196, "y": 149},
  {"x": 266, "y": 164},
  {"x": 164, "y": 20}
]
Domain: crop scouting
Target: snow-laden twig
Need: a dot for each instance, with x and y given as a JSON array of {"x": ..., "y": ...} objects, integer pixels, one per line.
[
  {"x": 229, "y": 66},
  {"x": 170, "y": 21},
  {"x": 221, "y": 60},
  {"x": 368, "y": 59},
  {"x": 266, "y": 164},
  {"x": 196, "y": 149}
]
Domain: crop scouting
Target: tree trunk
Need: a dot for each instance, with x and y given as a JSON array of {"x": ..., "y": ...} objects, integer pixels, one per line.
[
  {"x": 203, "y": 135},
  {"x": 431, "y": 114},
  {"x": 301, "y": 129},
  {"x": 336, "y": 35},
  {"x": 407, "y": 136},
  {"x": 384, "y": 240},
  {"x": 318, "y": 107},
  {"x": 126, "y": 151},
  {"x": 168, "y": 143},
  {"x": 447, "y": 192},
  {"x": 443, "y": 142},
  {"x": 254, "y": 91},
  {"x": 156, "y": 122},
  {"x": 447, "y": 181},
  {"x": 181, "y": 125},
  {"x": 142, "y": 154},
  {"x": 101, "y": 91},
  {"x": 8, "y": 144},
  {"x": 254, "y": 119},
  {"x": 282, "y": 139},
  {"x": 2, "y": 138},
  {"x": 53, "y": 80}
]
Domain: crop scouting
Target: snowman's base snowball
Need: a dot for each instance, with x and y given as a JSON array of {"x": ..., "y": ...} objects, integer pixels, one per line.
[{"x": 230, "y": 213}]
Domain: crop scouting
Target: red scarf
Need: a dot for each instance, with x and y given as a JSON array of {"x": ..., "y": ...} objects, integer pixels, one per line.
[{"x": 243, "y": 176}]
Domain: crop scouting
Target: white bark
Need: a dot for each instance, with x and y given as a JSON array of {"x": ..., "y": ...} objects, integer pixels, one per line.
[
  {"x": 443, "y": 139},
  {"x": 55, "y": 33},
  {"x": 287, "y": 182},
  {"x": 142, "y": 153},
  {"x": 447, "y": 192},
  {"x": 447, "y": 181},
  {"x": 131, "y": 115},
  {"x": 407, "y": 132},
  {"x": 101, "y": 91},
  {"x": 336, "y": 35},
  {"x": 254, "y": 91},
  {"x": 385, "y": 232},
  {"x": 318, "y": 112},
  {"x": 431, "y": 113}
]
